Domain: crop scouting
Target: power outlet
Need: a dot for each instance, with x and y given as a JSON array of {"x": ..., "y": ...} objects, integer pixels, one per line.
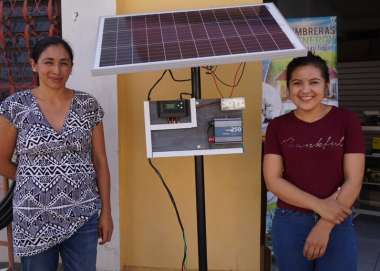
[{"x": 236, "y": 103}]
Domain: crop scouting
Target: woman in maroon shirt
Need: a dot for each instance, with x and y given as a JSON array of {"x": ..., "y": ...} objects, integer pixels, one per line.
[{"x": 314, "y": 163}]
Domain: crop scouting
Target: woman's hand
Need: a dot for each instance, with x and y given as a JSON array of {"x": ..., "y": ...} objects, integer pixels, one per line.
[
  {"x": 332, "y": 210},
  {"x": 99, "y": 158},
  {"x": 105, "y": 227},
  {"x": 317, "y": 240}
]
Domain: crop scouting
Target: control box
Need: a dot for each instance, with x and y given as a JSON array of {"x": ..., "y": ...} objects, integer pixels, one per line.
[{"x": 192, "y": 127}]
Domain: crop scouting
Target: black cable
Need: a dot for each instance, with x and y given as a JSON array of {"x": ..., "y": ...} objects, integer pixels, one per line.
[
  {"x": 178, "y": 80},
  {"x": 184, "y": 93},
  {"x": 158, "y": 172},
  {"x": 228, "y": 85},
  {"x": 155, "y": 84},
  {"x": 162, "y": 76},
  {"x": 211, "y": 70},
  {"x": 175, "y": 208}
]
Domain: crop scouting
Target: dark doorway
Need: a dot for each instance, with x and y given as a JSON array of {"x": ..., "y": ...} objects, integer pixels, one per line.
[{"x": 358, "y": 24}]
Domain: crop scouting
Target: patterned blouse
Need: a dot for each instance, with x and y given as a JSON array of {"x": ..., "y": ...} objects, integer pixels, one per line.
[{"x": 56, "y": 189}]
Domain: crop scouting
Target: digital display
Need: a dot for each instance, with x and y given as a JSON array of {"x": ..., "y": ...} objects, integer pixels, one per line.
[
  {"x": 170, "y": 106},
  {"x": 173, "y": 109}
]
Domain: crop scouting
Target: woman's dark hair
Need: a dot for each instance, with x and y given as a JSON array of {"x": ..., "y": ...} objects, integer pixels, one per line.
[
  {"x": 44, "y": 43},
  {"x": 310, "y": 59}
]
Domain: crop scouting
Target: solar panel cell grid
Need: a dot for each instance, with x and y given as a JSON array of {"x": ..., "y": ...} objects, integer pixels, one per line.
[
  {"x": 156, "y": 52},
  {"x": 236, "y": 13},
  {"x": 221, "y": 15},
  {"x": 263, "y": 12},
  {"x": 166, "y": 19},
  {"x": 193, "y": 34},
  {"x": 172, "y": 51},
  {"x": 184, "y": 33},
  {"x": 199, "y": 32},
  {"x": 204, "y": 48},
  {"x": 235, "y": 45},
  {"x": 220, "y": 47},
  {"x": 169, "y": 34},
  {"x": 140, "y": 54},
  {"x": 249, "y": 13},
  {"x": 123, "y": 24},
  {"x": 138, "y": 22},
  {"x": 152, "y": 21},
  {"x": 208, "y": 16},
  {"x": 242, "y": 28},
  {"x": 282, "y": 40},
  {"x": 271, "y": 26},
  {"x": 180, "y": 18},
  {"x": 267, "y": 42},
  {"x": 154, "y": 35},
  {"x": 108, "y": 57},
  {"x": 110, "y": 24},
  {"x": 257, "y": 27},
  {"x": 213, "y": 31},
  {"x": 124, "y": 39},
  {"x": 188, "y": 49},
  {"x": 109, "y": 39},
  {"x": 194, "y": 17},
  {"x": 252, "y": 44},
  {"x": 124, "y": 56}
]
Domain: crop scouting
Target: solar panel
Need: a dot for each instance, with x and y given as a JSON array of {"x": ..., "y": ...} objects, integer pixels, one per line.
[{"x": 179, "y": 39}]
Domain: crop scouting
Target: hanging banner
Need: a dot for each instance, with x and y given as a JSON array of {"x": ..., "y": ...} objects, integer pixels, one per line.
[{"x": 318, "y": 34}]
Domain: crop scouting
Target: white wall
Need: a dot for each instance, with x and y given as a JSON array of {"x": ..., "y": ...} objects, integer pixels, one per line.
[{"x": 79, "y": 28}]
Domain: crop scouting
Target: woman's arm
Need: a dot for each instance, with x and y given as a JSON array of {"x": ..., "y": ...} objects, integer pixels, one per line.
[
  {"x": 8, "y": 137},
  {"x": 317, "y": 240},
  {"x": 328, "y": 208},
  {"x": 99, "y": 158},
  {"x": 353, "y": 166}
]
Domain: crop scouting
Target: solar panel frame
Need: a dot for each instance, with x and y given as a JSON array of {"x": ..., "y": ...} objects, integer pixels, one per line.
[{"x": 138, "y": 42}]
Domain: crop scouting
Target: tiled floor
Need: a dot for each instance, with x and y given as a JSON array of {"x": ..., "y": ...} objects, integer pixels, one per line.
[{"x": 368, "y": 230}]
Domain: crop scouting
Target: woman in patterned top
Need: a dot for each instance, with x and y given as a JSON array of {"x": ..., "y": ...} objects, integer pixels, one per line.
[
  {"x": 62, "y": 176},
  {"x": 314, "y": 163}
]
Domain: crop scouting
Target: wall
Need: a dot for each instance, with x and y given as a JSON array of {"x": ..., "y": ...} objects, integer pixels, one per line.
[
  {"x": 149, "y": 232},
  {"x": 79, "y": 27}
]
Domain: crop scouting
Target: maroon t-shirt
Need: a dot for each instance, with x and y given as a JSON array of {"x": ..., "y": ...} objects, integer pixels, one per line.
[{"x": 313, "y": 153}]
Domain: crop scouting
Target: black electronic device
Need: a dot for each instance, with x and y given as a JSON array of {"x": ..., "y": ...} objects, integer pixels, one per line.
[{"x": 173, "y": 109}]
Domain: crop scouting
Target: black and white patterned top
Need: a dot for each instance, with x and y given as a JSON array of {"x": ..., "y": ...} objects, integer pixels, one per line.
[{"x": 56, "y": 190}]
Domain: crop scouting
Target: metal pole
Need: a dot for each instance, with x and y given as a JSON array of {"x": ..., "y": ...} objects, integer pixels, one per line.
[{"x": 199, "y": 183}]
